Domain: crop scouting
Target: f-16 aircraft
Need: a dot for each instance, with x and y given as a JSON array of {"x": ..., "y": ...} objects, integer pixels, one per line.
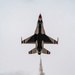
[{"x": 39, "y": 38}]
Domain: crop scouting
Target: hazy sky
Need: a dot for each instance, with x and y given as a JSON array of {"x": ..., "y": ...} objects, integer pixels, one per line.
[{"x": 18, "y": 18}]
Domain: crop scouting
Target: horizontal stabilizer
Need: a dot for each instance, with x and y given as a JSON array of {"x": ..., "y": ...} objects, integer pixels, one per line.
[
  {"x": 33, "y": 51},
  {"x": 45, "y": 51}
]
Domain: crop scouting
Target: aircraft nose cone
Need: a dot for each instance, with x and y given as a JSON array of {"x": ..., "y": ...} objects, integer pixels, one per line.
[{"x": 40, "y": 17}]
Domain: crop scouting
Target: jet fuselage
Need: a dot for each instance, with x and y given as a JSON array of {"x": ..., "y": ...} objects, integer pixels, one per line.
[
  {"x": 39, "y": 38},
  {"x": 39, "y": 48}
]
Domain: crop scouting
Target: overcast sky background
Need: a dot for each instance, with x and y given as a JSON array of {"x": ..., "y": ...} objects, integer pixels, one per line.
[{"x": 18, "y": 18}]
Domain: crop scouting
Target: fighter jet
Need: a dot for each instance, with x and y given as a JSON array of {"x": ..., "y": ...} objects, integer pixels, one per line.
[{"x": 39, "y": 38}]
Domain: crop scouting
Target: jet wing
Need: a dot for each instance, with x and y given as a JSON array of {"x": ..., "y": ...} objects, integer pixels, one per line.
[
  {"x": 31, "y": 39},
  {"x": 49, "y": 40}
]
